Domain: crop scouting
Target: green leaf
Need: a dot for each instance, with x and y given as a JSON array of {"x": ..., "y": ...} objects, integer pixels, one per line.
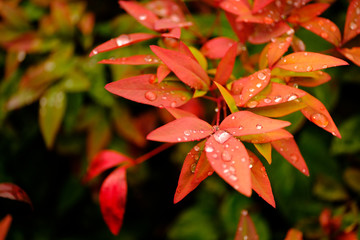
[
  {"x": 230, "y": 101},
  {"x": 329, "y": 189},
  {"x": 352, "y": 178},
  {"x": 199, "y": 57},
  {"x": 350, "y": 142},
  {"x": 265, "y": 150}
]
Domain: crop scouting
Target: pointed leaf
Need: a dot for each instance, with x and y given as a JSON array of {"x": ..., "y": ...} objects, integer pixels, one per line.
[
  {"x": 103, "y": 161},
  {"x": 199, "y": 57},
  {"x": 352, "y": 22},
  {"x": 279, "y": 110},
  {"x": 268, "y": 15},
  {"x": 181, "y": 130},
  {"x": 179, "y": 113},
  {"x": 174, "y": 33},
  {"x": 308, "y": 61},
  {"x": 217, "y": 47},
  {"x": 185, "y": 68},
  {"x": 230, "y": 101},
  {"x": 51, "y": 113},
  {"x": 168, "y": 23},
  {"x": 195, "y": 169},
  {"x": 112, "y": 199},
  {"x": 325, "y": 29},
  {"x": 260, "y": 4},
  {"x": 317, "y": 113},
  {"x": 246, "y": 228},
  {"x": 161, "y": 72},
  {"x": 259, "y": 180},
  {"x": 140, "y": 89},
  {"x": 265, "y": 32},
  {"x": 122, "y": 41},
  {"x": 294, "y": 234},
  {"x": 242, "y": 30},
  {"x": 247, "y": 123},
  {"x": 225, "y": 67},
  {"x": 265, "y": 150},
  {"x": 99, "y": 135},
  {"x": 290, "y": 151},
  {"x": 140, "y": 13},
  {"x": 306, "y": 79},
  {"x": 5, "y": 226},
  {"x": 267, "y": 137},
  {"x": 236, "y": 7},
  {"x": 246, "y": 88},
  {"x": 307, "y": 12},
  {"x": 133, "y": 60},
  {"x": 23, "y": 97},
  {"x": 353, "y": 54},
  {"x": 277, "y": 48},
  {"x": 230, "y": 160},
  {"x": 297, "y": 44},
  {"x": 14, "y": 192}
]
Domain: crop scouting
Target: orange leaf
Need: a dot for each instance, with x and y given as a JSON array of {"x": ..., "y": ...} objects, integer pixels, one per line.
[
  {"x": 353, "y": 54},
  {"x": 277, "y": 48},
  {"x": 236, "y": 7},
  {"x": 263, "y": 33},
  {"x": 266, "y": 137},
  {"x": 179, "y": 113},
  {"x": 352, "y": 22},
  {"x": 225, "y": 67},
  {"x": 294, "y": 234},
  {"x": 167, "y": 23},
  {"x": 246, "y": 228},
  {"x": 161, "y": 72},
  {"x": 5, "y": 226},
  {"x": 174, "y": 33},
  {"x": 307, "y": 12},
  {"x": 325, "y": 29},
  {"x": 140, "y": 13},
  {"x": 217, "y": 47},
  {"x": 308, "y": 61},
  {"x": 260, "y": 4}
]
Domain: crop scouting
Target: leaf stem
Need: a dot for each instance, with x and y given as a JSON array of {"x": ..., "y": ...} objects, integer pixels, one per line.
[{"x": 152, "y": 153}]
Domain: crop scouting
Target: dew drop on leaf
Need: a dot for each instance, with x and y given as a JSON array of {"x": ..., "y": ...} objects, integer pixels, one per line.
[
  {"x": 252, "y": 104},
  {"x": 193, "y": 167},
  {"x": 261, "y": 76},
  {"x": 278, "y": 99},
  {"x": 221, "y": 136},
  {"x": 196, "y": 148},
  {"x": 309, "y": 68},
  {"x": 233, "y": 178},
  {"x": 292, "y": 97},
  {"x": 122, "y": 40},
  {"x": 259, "y": 126},
  {"x": 353, "y": 26},
  {"x": 209, "y": 149},
  {"x": 226, "y": 156},
  {"x": 142, "y": 17},
  {"x": 151, "y": 96},
  {"x": 173, "y": 104},
  {"x": 324, "y": 35},
  {"x": 333, "y": 28},
  {"x": 187, "y": 132},
  {"x": 267, "y": 100},
  {"x": 319, "y": 119}
]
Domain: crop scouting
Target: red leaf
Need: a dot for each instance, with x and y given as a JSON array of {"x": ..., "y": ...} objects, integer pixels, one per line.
[
  {"x": 353, "y": 54},
  {"x": 230, "y": 160},
  {"x": 167, "y": 23},
  {"x": 277, "y": 48},
  {"x": 217, "y": 47},
  {"x": 122, "y": 41},
  {"x": 174, "y": 33},
  {"x": 226, "y": 65},
  {"x": 140, "y": 13},
  {"x": 352, "y": 22},
  {"x": 279, "y": 110},
  {"x": 162, "y": 72},
  {"x": 140, "y": 89},
  {"x": 247, "y": 123},
  {"x": 185, "y": 68},
  {"x": 265, "y": 32},
  {"x": 307, "y": 12},
  {"x": 317, "y": 113},
  {"x": 308, "y": 61},
  {"x": 325, "y": 29},
  {"x": 294, "y": 234},
  {"x": 103, "y": 161},
  {"x": 268, "y": 15},
  {"x": 242, "y": 30},
  {"x": 246, "y": 228},
  {"x": 280, "y": 93},
  {"x": 133, "y": 60},
  {"x": 14, "y": 192},
  {"x": 179, "y": 113},
  {"x": 184, "y": 129},
  {"x": 259, "y": 180},
  {"x": 267, "y": 137},
  {"x": 241, "y": 7},
  {"x": 290, "y": 151},
  {"x": 195, "y": 169},
  {"x": 5, "y": 226},
  {"x": 248, "y": 87},
  {"x": 260, "y": 4},
  {"x": 311, "y": 79},
  {"x": 112, "y": 198}
]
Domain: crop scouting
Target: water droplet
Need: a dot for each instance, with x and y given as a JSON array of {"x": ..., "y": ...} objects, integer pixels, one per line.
[
  {"x": 259, "y": 126},
  {"x": 324, "y": 35},
  {"x": 196, "y": 148},
  {"x": 122, "y": 40},
  {"x": 221, "y": 136},
  {"x": 214, "y": 155},
  {"x": 179, "y": 139},
  {"x": 292, "y": 97},
  {"x": 173, "y": 104},
  {"x": 150, "y": 95},
  {"x": 252, "y": 104},
  {"x": 261, "y": 76},
  {"x": 209, "y": 149},
  {"x": 233, "y": 117},
  {"x": 353, "y": 26},
  {"x": 296, "y": 67},
  {"x": 148, "y": 58},
  {"x": 294, "y": 158},
  {"x": 245, "y": 237},
  {"x": 306, "y": 53},
  {"x": 267, "y": 100},
  {"x": 309, "y": 68},
  {"x": 233, "y": 178},
  {"x": 278, "y": 99},
  {"x": 142, "y": 17},
  {"x": 258, "y": 85},
  {"x": 95, "y": 52},
  {"x": 244, "y": 213},
  {"x": 193, "y": 167},
  {"x": 183, "y": 98},
  {"x": 226, "y": 171},
  {"x": 320, "y": 119},
  {"x": 226, "y": 156},
  {"x": 187, "y": 132},
  {"x": 333, "y": 28},
  {"x": 251, "y": 90},
  {"x": 216, "y": 109},
  {"x": 241, "y": 127},
  {"x": 243, "y": 159},
  {"x": 357, "y": 11}
]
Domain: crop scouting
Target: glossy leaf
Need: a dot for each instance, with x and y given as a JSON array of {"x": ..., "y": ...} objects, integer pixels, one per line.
[
  {"x": 5, "y": 226},
  {"x": 246, "y": 228},
  {"x": 246, "y": 88},
  {"x": 194, "y": 170},
  {"x": 265, "y": 150},
  {"x": 317, "y": 113},
  {"x": 161, "y": 72},
  {"x": 199, "y": 57},
  {"x": 179, "y": 113},
  {"x": 217, "y": 47},
  {"x": 259, "y": 180},
  {"x": 308, "y": 61},
  {"x": 307, "y": 12},
  {"x": 279, "y": 110},
  {"x": 140, "y": 89},
  {"x": 174, "y": 33},
  {"x": 14, "y": 192},
  {"x": 277, "y": 48},
  {"x": 112, "y": 199},
  {"x": 260, "y": 4},
  {"x": 266, "y": 137},
  {"x": 168, "y": 23},
  {"x": 236, "y": 7},
  {"x": 290, "y": 151},
  {"x": 122, "y": 41},
  {"x": 133, "y": 60},
  {"x": 230, "y": 101},
  {"x": 263, "y": 33},
  {"x": 51, "y": 113},
  {"x": 352, "y": 22},
  {"x": 324, "y": 28},
  {"x": 140, "y": 13},
  {"x": 225, "y": 67},
  {"x": 103, "y": 161},
  {"x": 294, "y": 234},
  {"x": 246, "y": 123},
  {"x": 230, "y": 160},
  {"x": 184, "y": 67},
  {"x": 242, "y": 30},
  {"x": 353, "y": 54},
  {"x": 181, "y": 130}
]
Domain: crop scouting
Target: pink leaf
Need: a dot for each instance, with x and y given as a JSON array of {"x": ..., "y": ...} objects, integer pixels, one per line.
[
  {"x": 181, "y": 130},
  {"x": 226, "y": 65},
  {"x": 260, "y": 4},
  {"x": 179, "y": 113},
  {"x": 308, "y": 61},
  {"x": 352, "y": 23},
  {"x": 133, "y": 60},
  {"x": 167, "y": 23},
  {"x": 265, "y": 32},
  {"x": 290, "y": 151},
  {"x": 317, "y": 113},
  {"x": 242, "y": 30},
  {"x": 185, "y": 68},
  {"x": 195, "y": 169},
  {"x": 246, "y": 228},
  {"x": 162, "y": 72},
  {"x": 112, "y": 198},
  {"x": 122, "y": 41},
  {"x": 236, "y": 7},
  {"x": 267, "y": 137},
  {"x": 246, "y": 123},
  {"x": 140, "y": 89},
  {"x": 259, "y": 180},
  {"x": 307, "y": 12},
  {"x": 353, "y": 54},
  {"x": 140, "y": 13},
  {"x": 174, "y": 33},
  {"x": 230, "y": 160},
  {"x": 103, "y": 161},
  {"x": 14, "y": 192},
  {"x": 246, "y": 88},
  {"x": 277, "y": 48},
  {"x": 325, "y": 29},
  {"x": 217, "y": 47}
]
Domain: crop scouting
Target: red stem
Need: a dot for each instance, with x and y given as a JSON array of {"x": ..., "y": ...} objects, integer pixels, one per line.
[{"x": 152, "y": 153}]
